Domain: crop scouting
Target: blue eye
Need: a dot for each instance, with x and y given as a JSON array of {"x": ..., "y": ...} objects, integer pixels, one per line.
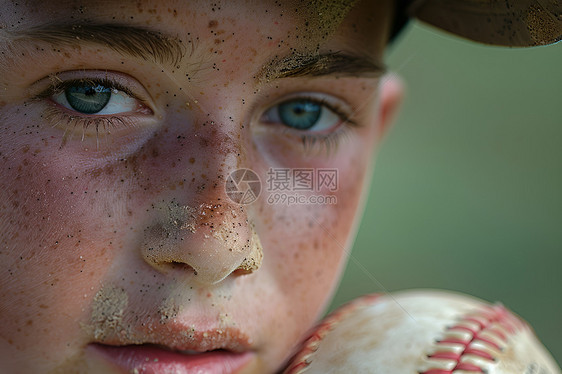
[
  {"x": 94, "y": 97},
  {"x": 313, "y": 115}
]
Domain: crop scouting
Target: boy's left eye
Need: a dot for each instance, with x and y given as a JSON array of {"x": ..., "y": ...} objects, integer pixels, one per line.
[
  {"x": 91, "y": 97},
  {"x": 306, "y": 114}
]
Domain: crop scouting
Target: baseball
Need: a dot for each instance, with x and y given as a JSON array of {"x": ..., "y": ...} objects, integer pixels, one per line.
[{"x": 423, "y": 332}]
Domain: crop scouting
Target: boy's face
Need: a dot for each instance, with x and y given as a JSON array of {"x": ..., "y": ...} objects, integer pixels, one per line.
[{"x": 115, "y": 226}]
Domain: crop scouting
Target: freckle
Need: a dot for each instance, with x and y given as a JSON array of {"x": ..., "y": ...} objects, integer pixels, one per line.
[
  {"x": 191, "y": 160},
  {"x": 213, "y": 23}
]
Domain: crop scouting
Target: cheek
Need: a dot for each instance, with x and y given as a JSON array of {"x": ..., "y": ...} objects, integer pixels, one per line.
[
  {"x": 306, "y": 245},
  {"x": 313, "y": 237},
  {"x": 54, "y": 241}
]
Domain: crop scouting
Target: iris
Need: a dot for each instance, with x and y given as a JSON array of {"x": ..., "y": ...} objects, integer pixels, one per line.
[
  {"x": 299, "y": 114},
  {"x": 87, "y": 98}
]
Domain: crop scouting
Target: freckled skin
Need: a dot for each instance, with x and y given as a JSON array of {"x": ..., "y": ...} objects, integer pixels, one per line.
[{"x": 75, "y": 218}]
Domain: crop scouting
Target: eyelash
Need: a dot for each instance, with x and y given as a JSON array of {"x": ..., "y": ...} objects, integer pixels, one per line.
[{"x": 328, "y": 142}]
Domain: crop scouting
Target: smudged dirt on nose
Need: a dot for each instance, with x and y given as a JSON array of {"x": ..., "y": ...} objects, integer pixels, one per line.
[{"x": 213, "y": 239}]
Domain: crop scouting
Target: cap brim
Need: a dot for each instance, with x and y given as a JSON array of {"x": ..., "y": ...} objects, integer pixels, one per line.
[{"x": 517, "y": 23}]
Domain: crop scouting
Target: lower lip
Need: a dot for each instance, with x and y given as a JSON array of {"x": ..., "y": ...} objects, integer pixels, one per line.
[{"x": 143, "y": 359}]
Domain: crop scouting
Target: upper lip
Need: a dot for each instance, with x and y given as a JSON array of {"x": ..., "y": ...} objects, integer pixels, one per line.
[{"x": 181, "y": 337}]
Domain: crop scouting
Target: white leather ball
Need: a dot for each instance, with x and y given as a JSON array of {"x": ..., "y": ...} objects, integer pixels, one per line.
[{"x": 422, "y": 332}]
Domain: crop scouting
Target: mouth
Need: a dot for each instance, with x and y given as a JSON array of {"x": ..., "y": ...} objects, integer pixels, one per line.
[
  {"x": 156, "y": 359},
  {"x": 170, "y": 350}
]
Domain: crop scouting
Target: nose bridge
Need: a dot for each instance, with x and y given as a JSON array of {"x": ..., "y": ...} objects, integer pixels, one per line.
[
  {"x": 218, "y": 145},
  {"x": 199, "y": 225}
]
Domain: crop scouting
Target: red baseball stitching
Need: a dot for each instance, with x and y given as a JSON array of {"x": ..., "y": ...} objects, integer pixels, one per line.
[
  {"x": 303, "y": 358},
  {"x": 493, "y": 321}
]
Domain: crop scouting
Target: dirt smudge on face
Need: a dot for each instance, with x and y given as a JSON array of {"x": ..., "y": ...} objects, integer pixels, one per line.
[
  {"x": 177, "y": 218},
  {"x": 319, "y": 19},
  {"x": 108, "y": 308},
  {"x": 324, "y": 16},
  {"x": 168, "y": 310},
  {"x": 173, "y": 220}
]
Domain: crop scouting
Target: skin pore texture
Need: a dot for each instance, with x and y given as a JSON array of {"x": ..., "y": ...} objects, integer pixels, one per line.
[{"x": 116, "y": 229}]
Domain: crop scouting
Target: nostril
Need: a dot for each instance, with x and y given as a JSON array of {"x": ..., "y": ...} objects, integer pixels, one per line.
[{"x": 176, "y": 265}]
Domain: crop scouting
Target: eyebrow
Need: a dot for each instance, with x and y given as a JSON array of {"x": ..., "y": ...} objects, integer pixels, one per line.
[
  {"x": 164, "y": 49},
  {"x": 124, "y": 39},
  {"x": 315, "y": 65}
]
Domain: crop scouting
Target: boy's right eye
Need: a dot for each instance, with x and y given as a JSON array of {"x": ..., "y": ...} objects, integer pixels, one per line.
[
  {"x": 90, "y": 97},
  {"x": 93, "y": 103}
]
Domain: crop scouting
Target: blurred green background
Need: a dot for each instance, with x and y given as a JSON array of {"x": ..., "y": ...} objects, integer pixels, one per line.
[{"x": 467, "y": 190}]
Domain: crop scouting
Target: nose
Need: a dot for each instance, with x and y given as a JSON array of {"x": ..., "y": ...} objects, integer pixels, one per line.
[
  {"x": 212, "y": 239},
  {"x": 197, "y": 227}
]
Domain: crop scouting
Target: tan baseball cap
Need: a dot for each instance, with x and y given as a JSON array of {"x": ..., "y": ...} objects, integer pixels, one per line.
[{"x": 515, "y": 23}]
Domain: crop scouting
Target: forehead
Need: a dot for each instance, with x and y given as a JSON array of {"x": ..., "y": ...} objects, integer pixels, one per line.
[{"x": 297, "y": 25}]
